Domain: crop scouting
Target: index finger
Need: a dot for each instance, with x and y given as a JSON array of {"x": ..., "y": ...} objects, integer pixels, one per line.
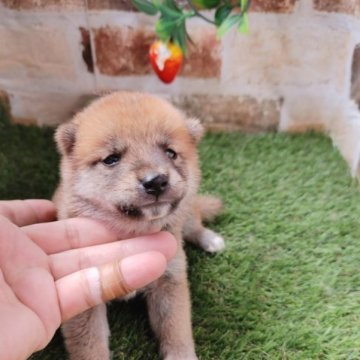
[
  {"x": 25, "y": 212},
  {"x": 74, "y": 233}
]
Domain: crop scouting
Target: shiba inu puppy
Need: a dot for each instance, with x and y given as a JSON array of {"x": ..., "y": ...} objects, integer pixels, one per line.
[{"x": 130, "y": 161}]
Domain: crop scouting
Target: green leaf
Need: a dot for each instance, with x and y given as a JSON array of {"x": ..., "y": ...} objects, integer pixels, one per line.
[
  {"x": 170, "y": 12},
  {"x": 227, "y": 24},
  {"x": 211, "y": 4},
  {"x": 222, "y": 13},
  {"x": 243, "y": 4},
  {"x": 165, "y": 28},
  {"x": 145, "y": 6},
  {"x": 171, "y": 4},
  {"x": 244, "y": 24},
  {"x": 180, "y": 37}
]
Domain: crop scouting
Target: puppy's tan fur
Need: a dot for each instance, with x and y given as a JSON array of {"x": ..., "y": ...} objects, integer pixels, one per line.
[{"x": 139, "y": 129}]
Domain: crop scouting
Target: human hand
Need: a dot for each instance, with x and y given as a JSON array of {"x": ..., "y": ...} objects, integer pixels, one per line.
[{"x": 50, "y": 272}]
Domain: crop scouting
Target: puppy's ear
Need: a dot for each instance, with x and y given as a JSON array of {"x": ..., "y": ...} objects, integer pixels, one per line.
[
  {"x": 195, "y": 128},
  {"x": 65, "y": 137}
]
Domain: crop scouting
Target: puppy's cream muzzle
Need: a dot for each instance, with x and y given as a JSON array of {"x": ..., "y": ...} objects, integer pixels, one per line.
[{"x": 156, "y": 211}]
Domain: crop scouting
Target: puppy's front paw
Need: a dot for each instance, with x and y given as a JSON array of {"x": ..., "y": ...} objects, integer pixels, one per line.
[{"x": 211, "y": 242}]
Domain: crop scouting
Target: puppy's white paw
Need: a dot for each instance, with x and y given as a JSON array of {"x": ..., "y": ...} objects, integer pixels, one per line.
[
  {"x": 214, "y": 245},
  {"x": 211, "y": 242}
]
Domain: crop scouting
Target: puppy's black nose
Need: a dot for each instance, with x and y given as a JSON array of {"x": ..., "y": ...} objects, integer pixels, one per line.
[{"x": 155, "y": 185}]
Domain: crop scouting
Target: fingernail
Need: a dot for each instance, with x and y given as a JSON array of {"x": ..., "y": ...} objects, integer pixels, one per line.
[{"x": 142, "y": 269}]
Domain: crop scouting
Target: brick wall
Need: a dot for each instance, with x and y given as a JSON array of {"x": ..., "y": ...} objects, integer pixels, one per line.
[{"x": 296, "y": 70}]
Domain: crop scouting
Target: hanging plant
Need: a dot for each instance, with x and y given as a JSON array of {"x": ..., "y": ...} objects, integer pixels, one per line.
[{"x": 166, "y": 54}]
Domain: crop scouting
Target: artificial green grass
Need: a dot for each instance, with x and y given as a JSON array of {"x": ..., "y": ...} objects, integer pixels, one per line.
[{"x": 288, "y": 284}]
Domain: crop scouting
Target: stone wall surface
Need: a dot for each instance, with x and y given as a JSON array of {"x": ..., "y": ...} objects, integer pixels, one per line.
[{"x": 297, "y": 69}]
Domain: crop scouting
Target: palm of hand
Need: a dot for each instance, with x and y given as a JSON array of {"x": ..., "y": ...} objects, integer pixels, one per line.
[{"x": 27, "y": 288}]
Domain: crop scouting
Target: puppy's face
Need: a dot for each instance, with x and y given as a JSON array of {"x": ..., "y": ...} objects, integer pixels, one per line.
[{"x": 131, "y": 156}]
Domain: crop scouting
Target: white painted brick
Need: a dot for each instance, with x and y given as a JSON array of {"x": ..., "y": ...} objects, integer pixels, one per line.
[
  {"x": 35, "y": 52},
  {"x": 42, "y": 51},
  {"x": 45, "y": 108},
  {"x": 307, "y": 110},
  {"x": 287, "y": 50}
]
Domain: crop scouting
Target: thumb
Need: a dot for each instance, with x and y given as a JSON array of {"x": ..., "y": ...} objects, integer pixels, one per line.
[{"x": 84, "y": 289}]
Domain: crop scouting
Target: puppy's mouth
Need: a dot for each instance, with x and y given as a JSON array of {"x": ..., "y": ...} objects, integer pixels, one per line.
[{"x": 149, "y": 211}]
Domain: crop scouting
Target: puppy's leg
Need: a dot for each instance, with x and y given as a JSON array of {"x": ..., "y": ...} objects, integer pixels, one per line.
[
  {"x": 86, "y": 335},
  {"x": 170, "y": 312},
  {"x": 196, "y": 233}
]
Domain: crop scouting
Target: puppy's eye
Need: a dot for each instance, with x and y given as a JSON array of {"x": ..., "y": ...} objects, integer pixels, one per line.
[
  {"x": 111, "y": 160},
  {"x": 171, "y": 154}
]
